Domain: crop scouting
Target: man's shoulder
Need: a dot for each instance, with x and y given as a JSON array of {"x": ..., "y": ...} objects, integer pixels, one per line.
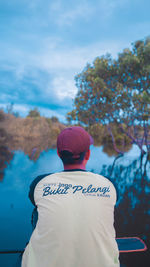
[
  {"x": 34, "y": 184},
  {"x": 106, "y": 180},
  {"x": 114, "y": 184},
  {"x": 39, "y": 178},
  {"x": 100, "y": 176}
]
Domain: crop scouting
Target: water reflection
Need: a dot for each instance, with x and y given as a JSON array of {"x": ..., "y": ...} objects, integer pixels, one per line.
[
  {"x": 108, "y": 148},
  {"x": 130, "y": 172},
  {"x": 132, "y": 215},
  {"x": 5, "y": 154}
]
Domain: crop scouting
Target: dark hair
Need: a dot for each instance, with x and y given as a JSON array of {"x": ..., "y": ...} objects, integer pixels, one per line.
[{"x": 68, "y": 157}]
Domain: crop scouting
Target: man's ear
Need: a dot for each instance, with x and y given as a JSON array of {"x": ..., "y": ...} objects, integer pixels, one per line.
[{"x": 87, "y": 154}]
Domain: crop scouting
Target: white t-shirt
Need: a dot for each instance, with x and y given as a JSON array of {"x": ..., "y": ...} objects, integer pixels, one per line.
[{"x": 75, "y": 225}]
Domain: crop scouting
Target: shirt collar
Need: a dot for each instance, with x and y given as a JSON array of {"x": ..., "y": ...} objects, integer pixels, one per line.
[{"x": 74, "y": 170}]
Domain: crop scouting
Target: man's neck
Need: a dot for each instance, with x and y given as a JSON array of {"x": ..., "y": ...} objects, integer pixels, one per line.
[{"x": 74, "y": 166}]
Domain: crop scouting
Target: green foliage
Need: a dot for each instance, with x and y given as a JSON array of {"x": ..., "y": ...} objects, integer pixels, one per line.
[
  {"x": 115, "y": 91},
  {"x": 34, "y": 113},
  {"x": 97, "y": 131},
  {"x": 71, "y": 116},
  {"x": 54, "y": 119}
]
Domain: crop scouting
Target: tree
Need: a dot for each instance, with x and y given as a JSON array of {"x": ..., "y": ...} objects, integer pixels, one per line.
[
  {"x": 117, "y": 92},
  {"x": 10, "y": 110},
  {"x": 54, "y": 119},
  {"x": 34, "y": 113}
]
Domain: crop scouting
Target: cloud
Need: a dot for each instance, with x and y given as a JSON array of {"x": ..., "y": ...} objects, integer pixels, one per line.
[
  {"x": 66, "y": 15},
  {"x": 69, "y": 14},
  {"x": 54, "y": 58},
  {"x": 46, "y": 79},
  {"x": 109, "y": 7},
  {"x": 73, "y": 58},
  {"x": 64, "y": 87}
]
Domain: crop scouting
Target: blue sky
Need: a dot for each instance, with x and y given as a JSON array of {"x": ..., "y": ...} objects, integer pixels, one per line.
[{"x": 45, "y": 43}]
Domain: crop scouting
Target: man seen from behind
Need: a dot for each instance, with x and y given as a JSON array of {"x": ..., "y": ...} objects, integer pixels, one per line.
[{"x": 75, "y": 226}]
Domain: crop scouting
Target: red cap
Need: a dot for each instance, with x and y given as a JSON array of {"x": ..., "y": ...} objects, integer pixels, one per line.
[{"x": 74, "y": 139}]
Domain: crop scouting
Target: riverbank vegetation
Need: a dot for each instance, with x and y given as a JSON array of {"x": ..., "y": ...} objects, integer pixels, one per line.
[
  {"x": 32, "y": 134},
  {"x": 5, "y": 154},
  {"x": 36, "y": 133}
]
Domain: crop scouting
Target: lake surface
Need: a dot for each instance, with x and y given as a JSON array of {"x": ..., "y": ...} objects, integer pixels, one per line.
[{"x": 130, "y": 172}]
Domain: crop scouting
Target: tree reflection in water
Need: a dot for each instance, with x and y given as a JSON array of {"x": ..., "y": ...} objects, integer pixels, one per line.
[
  {"x": 132, "y": 214},
  {"x": 5, "y": 154}
]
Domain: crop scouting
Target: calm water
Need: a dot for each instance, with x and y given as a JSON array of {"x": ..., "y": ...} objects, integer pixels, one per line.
[{"x": 130, "y": 173}]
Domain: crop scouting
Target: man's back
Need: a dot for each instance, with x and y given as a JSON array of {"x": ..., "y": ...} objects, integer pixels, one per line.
[{"x": 75, "y": 222}]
